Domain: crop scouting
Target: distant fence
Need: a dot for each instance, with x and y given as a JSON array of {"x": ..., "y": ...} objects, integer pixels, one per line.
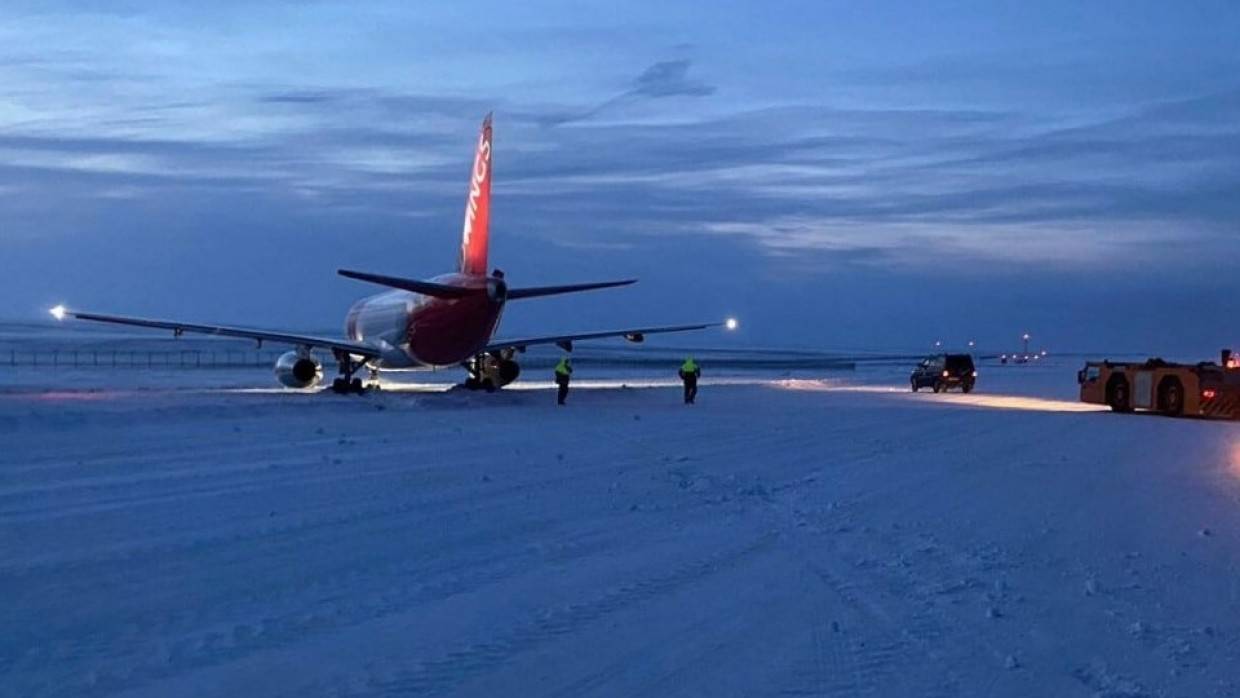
[
  {"x": 143, "y": 358},
  {"x": 241, "y": 358}
]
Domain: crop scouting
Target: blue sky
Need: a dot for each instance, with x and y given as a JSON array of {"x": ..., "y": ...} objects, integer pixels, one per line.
[{"x": 837, "y": 174}]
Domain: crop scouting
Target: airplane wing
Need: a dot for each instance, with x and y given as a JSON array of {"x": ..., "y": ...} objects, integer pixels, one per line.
[
  {"x": 565, "y": 341},
  {"x": 224, "y": 331}
]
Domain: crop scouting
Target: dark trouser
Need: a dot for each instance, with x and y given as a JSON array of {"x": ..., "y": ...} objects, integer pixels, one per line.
[
  {"x": 690, "y": 390},
  {"x": 563, "y": 392}
]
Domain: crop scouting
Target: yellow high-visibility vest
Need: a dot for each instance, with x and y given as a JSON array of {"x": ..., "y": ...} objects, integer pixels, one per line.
[{"x": 689, "y": 366}]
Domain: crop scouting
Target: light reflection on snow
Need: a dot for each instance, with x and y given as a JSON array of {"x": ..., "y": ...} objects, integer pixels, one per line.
[
  {"x": 823, "y": 385},
  {"x": 443, "y": 387},
  {"x": 1018, "y": 402},
  {"x": 75, "y": 395},
  {"x": 619, "y": 384},
  {"x": 997, "y": 402},
  {"x": 979, "y": 400}
]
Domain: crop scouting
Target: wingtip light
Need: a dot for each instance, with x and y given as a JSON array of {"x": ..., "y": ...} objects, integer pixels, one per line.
[
  {"x": 731, "y": 324},
  {"x": 59, "y": 312}
]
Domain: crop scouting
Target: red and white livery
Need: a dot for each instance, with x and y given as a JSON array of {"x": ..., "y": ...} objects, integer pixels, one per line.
[{"x": 443, "y": 321}]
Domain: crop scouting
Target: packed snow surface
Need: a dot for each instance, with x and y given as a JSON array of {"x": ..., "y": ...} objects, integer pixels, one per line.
[{"x": 788, "y": 535}]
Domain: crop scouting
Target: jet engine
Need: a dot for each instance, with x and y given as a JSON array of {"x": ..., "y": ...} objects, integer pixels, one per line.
[{"x": 298, "y": 370}]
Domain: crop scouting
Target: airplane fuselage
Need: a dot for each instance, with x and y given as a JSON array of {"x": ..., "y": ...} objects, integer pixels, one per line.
[{"x": 413, "y": 330}]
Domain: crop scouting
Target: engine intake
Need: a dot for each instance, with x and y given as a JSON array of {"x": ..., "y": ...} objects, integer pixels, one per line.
[{"x": 297, "y": 370}]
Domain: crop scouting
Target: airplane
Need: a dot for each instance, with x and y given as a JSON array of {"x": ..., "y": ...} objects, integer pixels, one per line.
[{"x": 445, "y": 321}]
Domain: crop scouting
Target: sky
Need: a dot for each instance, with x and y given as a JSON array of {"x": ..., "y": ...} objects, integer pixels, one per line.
[{"x": 840, "y": 175}]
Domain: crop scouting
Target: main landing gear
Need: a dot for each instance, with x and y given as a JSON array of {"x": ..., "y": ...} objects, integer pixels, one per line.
[
  {"x": 478, "y": 380},
  {"x": 491, "y": 371},
  {"x": 347, "y": 382},
  {"x": 345, "y": 385}
]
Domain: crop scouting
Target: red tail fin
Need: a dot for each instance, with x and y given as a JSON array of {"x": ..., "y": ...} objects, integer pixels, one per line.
[{"x": 478, "y": 207}]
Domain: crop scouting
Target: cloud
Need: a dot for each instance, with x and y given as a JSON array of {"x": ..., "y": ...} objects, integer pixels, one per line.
[
  {"x": 661, "y": 80},
  {"x": 861, "y": 178},
  {"x": 841, "y": 186},
  {"x": 302, "y": 97},
  {"x": 669, "y": 79}
]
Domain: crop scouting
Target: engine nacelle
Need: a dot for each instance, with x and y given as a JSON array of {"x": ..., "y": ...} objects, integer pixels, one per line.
[{"x": 296, "y": 370}]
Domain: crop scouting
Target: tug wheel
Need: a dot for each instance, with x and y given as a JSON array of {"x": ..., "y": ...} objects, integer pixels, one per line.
[
  {"x": 1118, "y": 396},
  {"x": 1171, "y": 397}
]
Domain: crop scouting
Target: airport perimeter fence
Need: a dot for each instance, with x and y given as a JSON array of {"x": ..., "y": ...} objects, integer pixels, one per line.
[
  {"x": 254, "y": 358},
  {"x": 145, "y": 358}
]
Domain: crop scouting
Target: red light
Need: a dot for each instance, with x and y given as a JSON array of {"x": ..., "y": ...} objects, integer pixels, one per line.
[{"x": 1208, "y": 394}]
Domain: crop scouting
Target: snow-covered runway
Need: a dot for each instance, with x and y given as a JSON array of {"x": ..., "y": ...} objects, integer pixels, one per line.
[{"x": 782, "y": 537}]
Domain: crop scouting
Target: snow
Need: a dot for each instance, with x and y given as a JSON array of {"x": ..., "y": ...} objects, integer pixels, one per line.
[{"x": 787, "y": 535}]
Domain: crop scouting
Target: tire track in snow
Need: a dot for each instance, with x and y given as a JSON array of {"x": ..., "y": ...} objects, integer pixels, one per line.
[
  {"x": 209, "y": 637},
  {"x": 178, "y": 542},
  {"x": 174, "y": 483},
  {"x": 218, "y": 641},
  {"x": 832, "y": 668},
  {"x": 901, "y": 620},
  {"x": 897, "y": 618},
  {"x": 870, "y": 659},
  {"x": 455, "y": 667}
]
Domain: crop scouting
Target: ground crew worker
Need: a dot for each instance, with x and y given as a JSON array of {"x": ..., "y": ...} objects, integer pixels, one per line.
[
  {"x": 689, "y": 373},
  {"x": 563, "y": 372}
]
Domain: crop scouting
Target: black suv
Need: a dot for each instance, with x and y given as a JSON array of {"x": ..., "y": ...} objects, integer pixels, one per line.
[{"x": 943, "y": 371}]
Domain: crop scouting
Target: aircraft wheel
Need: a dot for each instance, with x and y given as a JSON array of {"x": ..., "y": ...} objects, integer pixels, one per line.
[
  {"x": 488, "y": 385},
  {"x": 340, "y": 386},
  {"x": 356, "y": 386}
]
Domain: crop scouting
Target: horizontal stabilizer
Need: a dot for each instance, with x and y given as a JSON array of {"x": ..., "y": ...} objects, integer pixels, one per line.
[
  {"x": 535, "y": 291},
  {"x": 426, "y": 288}
]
